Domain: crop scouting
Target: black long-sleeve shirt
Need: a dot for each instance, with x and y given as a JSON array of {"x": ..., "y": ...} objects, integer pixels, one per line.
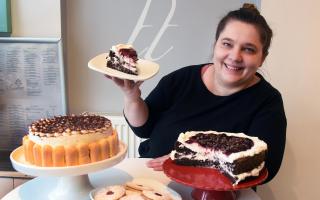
[{"x": 181, "y": 102}]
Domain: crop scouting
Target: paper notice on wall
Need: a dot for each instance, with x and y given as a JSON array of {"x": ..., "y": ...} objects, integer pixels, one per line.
[{"x": 31, "y": 87}]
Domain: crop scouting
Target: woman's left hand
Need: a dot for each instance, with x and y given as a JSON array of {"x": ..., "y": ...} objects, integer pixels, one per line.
[{"x": 157, "y": 163}]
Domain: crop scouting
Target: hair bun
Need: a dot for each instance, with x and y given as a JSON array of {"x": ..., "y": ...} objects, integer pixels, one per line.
[{"x": 251, "y": 7}]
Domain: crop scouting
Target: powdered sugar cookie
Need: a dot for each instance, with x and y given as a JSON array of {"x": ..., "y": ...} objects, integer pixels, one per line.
[
  {"x": 110, "y": 193},
  {"x": 138, "y": 186},
  {"x": 133, "y": 197},
  {"x": 155, "y": 195}
]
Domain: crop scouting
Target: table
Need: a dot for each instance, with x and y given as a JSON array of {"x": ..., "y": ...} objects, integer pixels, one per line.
[{"x": 126, "y": 170}]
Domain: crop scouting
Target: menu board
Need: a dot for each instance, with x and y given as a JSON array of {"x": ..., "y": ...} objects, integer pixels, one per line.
[{"x": 32, "y": 85}]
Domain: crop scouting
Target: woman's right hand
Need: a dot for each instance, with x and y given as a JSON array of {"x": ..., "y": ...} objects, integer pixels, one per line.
[{"x": 131, "y": 89}]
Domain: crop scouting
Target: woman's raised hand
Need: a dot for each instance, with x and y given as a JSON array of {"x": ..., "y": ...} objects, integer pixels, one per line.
[{"x": 131, "y": 89}]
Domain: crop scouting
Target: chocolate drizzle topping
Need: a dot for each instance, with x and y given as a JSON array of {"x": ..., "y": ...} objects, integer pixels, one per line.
[
  {"x": 69, "y": 123},
  {"x": 226, "y": 144}
]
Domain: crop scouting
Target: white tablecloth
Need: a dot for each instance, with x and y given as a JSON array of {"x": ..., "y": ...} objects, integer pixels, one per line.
[{"x": 37, "y": 188}]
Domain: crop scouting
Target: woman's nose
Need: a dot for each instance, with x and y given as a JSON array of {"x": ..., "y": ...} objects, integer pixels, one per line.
[{"x": 235, "y": 55}]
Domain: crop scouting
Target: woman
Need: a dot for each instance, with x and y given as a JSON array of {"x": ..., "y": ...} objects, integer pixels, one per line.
[{"x": 225, "y": 95}]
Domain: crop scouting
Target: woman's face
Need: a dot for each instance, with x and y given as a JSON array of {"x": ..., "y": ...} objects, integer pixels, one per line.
[{"x": 237, "y": 54}]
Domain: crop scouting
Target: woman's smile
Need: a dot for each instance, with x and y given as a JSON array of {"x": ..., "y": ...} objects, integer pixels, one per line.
[{"x": 233, "y": 68}]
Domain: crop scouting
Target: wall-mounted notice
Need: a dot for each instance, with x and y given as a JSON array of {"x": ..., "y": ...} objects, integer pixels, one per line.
[{"x": 31, "y": 85}]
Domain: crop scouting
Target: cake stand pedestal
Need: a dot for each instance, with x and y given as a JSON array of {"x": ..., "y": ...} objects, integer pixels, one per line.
[
  {"x": 73, "y": 181},
  {"x": 208, "y": 183}
]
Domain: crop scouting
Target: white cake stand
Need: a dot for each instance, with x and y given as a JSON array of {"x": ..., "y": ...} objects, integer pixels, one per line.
[{"x": 73, "y": 182}]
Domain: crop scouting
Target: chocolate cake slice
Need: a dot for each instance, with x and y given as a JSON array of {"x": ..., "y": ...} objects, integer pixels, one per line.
[
  {"x": 123, "y": 57},
  {"x": 236, "y": 155}
]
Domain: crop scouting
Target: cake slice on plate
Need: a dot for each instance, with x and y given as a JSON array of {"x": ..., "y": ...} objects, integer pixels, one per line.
[{"x": 123, "y": 57}]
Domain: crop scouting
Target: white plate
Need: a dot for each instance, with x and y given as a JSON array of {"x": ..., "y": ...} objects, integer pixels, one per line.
[
  {"x": 146, "y": 69},
  {"x": 155, "y": 185}
]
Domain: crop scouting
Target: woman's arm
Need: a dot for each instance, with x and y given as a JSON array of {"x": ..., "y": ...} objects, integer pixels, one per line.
[
  {"x": 270, "y": 125},
  {"x": 135, "y": 109}
]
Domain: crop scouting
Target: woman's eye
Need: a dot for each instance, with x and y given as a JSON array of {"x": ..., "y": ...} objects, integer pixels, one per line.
[
  {"x": 249, "y": 50},
  {"x": 226, "y": 44}
]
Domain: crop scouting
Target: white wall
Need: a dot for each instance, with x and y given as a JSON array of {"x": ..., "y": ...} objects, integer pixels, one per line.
[
  {"x": 36, "y": 18},
  {"x": 293, "y": 67}
]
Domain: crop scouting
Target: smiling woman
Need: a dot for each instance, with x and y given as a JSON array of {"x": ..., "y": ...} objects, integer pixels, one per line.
[
  {"x": 237, "y": 56},
  {"x": 243, "y": 38},
  {"x": 227, "y": 95}
]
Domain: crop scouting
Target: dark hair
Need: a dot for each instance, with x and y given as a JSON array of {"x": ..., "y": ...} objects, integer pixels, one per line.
[{"x": 249, "y": 14}]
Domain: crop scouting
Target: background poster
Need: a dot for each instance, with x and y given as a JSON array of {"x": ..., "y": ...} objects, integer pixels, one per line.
[{"x": 31, "y": 87}]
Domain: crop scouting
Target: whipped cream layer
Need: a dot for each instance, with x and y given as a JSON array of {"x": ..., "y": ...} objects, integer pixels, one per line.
[
  {"x": 243, "y": 176},
  {"x": 67, "y": 140}
]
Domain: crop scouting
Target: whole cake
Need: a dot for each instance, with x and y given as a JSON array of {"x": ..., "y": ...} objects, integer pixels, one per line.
[
  {"x": 123, "y": 57},
  {"x": 70, "y": 140},
  {"x": 236, "y": 155}
]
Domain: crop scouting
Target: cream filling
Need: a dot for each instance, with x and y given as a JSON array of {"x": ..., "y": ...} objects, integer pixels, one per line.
[
  {"x": 254, "y": 172},
  {"x": 208, "y": 153},
  {"x": 129, "y": 62},
  {"x": 66, "y": 140}
]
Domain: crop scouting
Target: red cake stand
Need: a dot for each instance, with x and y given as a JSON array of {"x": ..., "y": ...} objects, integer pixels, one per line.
[{"x": 208, "y": 183}]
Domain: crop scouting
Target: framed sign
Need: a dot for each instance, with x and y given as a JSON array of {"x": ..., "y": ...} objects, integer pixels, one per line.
[{"x": 32, "y": 85}]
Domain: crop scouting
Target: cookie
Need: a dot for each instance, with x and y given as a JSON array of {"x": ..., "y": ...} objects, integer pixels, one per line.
[
  {"x": 138, "y": 186},
  {"x": 130, "y": 190},
  {"x": 110, "y": 193},
  {"x": 133, "y": 197},
  {"x": 155, "y": 195}
]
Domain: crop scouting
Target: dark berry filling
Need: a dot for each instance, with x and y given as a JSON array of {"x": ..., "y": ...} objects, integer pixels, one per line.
[
  {"x": 109, "y": 193},
  {"x": 160, "y": 195},
  {"x": 131, "y": 53},
  {"x": 226, "y": 144}
]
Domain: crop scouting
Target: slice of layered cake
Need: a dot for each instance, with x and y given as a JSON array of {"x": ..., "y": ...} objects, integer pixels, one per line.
[
  {"x": 70, "y": 140},
  {"x": 236, "y": 155},
  {"x": 123, "y": 57}
]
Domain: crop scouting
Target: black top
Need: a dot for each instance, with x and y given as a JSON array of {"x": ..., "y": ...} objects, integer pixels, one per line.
[{"x": 181, "y": 102}]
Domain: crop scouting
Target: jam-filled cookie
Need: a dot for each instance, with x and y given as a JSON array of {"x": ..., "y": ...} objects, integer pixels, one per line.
[
  {"x": 137, "y": 186},
  {"x": 110, "y": 193},
  {"x": 155, "y": 195},
  {"x": 130, "y": 191}
]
